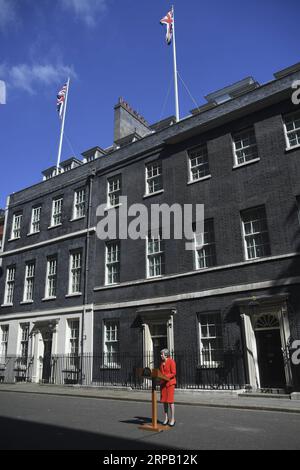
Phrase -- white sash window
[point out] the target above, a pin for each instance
(16, 226)
(10, 285)
(29, 282)
(153, 177)
(245, 147)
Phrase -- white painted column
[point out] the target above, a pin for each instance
(147, 346)
(251, 352)
(170, 333)
(285, 335)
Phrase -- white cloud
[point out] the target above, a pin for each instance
(87, 10)
(7, 13)
(2, 92)
(29, 77)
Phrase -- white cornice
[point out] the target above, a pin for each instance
(201, 294)
(44, 313)
(197, 272)
(47, 242)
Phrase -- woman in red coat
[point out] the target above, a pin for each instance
(168, 368)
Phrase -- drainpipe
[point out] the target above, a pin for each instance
(86, 270)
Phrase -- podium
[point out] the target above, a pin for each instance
(154, 375)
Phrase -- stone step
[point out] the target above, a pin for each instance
(265, 395)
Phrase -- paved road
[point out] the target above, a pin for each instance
(53, 422)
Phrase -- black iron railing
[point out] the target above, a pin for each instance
(211, 369)
(16, 368)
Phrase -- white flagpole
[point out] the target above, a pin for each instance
(175, 70)
(62, 127)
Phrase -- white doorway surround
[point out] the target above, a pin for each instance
(158, 330)
(265, 314)
(43, 331)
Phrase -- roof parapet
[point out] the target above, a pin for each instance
(202, 108)
(287, 71)
(158, 126)
(232, 91)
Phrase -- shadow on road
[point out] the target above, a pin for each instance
(18, 434)
(138, 420)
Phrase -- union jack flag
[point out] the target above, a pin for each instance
(168, 20)
(61, 96)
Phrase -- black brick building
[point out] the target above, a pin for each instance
(77, 308)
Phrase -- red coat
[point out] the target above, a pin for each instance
(168, 368)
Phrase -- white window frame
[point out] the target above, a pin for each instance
(29, 282)
(35, 219)
(294, 130)
(111, 329)
(16, 226)
(153, 173)
(255, 234)
(75, 272)
(207, 246)
(51, 277)
(73, 343)
(198, 160)
(24, 342)
(112, 263)
(154, 255)
(4, 331)
(74, 328)
(241, 137)
(206, 358)
(56, 216)
(79, 203)
(9, 285)
(114, 190)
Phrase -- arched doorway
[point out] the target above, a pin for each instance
(269, 351)
(266, 334)
(43, 332)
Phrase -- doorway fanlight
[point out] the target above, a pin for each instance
(266, 321)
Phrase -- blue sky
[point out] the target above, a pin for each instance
(114, 48)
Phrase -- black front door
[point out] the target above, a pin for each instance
(270, 359)
(158, 345)
(159, 340)
(47, 360)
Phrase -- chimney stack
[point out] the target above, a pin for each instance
(128, 122)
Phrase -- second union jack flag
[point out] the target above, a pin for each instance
(168, 20)
(61, 96)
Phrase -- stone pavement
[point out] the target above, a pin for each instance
(220, 399)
